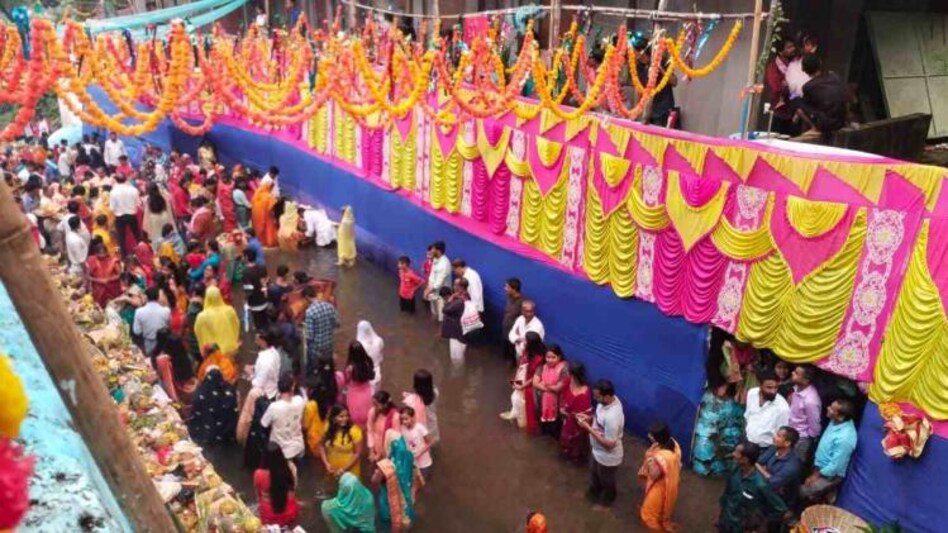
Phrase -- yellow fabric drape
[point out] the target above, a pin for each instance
(319, 130)
(345, 137)
(542, 217)
(492, 155)
(801, 322)
(866, 178)
(927, 178)
(811, 218)
(798, 170)
(614, 169)
(912, 365)
(693, 152)
(651, 218)
(745, 245)
(653, 144)
(548, 152)
(446, 179)
(620, 137)
(548, 120)
(741, 160)
(611, 246)
(693, 223)
(525, 112)
(467, 151)
(576, 126)
(518, 167)
(403, 157)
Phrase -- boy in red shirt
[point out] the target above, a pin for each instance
(408, 283)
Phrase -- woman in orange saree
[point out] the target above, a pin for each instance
(264, 221)
(660, 472)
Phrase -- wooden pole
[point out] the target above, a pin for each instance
(752, 63)
(41, 307)
(554, 24)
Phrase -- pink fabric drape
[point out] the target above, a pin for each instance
(373, 142)
(802, 254)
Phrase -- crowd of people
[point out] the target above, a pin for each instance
(803, 96)
(168, 246)
(782, 439)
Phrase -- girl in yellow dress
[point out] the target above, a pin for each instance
(342, 444)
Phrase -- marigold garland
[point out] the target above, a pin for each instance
(284, 80)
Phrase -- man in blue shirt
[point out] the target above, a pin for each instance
(782, 469)
(833, 453)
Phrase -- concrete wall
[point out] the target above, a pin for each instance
(710, 105)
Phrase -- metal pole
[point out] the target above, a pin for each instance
(752, 62)
(44, 314)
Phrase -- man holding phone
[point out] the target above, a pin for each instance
(605, 435)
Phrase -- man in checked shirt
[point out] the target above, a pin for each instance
(319, 327)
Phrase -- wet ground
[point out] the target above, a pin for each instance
(487, 474)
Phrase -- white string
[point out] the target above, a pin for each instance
(615, 11)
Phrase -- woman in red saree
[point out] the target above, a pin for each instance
(201, 228)
(576, 401)
(225, 201)
(264, 220)
(103, 271)
(660, 471)
(534, 353)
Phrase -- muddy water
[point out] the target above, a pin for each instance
(487, 474)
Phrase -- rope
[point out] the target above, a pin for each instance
(619, 12)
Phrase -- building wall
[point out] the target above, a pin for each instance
(710, 105)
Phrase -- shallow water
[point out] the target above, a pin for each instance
(487, 474)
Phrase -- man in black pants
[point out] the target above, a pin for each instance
(124, 200)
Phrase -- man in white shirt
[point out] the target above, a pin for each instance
(114, 148)
(150, 319)
(272, 175)
(475, 289)
(605, 438)
(284, 417)
(64, 162)
(439, 277)
(766, 412)
(266, 371)
(526, 322)
(77, 248)
(62, 229)
(124, 201)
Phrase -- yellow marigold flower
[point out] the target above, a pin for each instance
(13, 402)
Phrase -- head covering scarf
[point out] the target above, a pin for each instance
(353, 508)
(214, 415)
(217, 323)
(145, 254)
(370, 340)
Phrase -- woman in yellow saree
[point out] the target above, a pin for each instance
(660, 471)
(345, 240)
(289, 235)
(261, 214)
(218, 323)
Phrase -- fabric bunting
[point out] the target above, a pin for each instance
(812, 257)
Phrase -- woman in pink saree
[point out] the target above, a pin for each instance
(225, 201)
(383, 416)
(575, 401)
(549, 381)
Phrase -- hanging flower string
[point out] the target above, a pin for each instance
(284, 80)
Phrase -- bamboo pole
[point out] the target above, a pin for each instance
(752, 64)
(51, 329)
